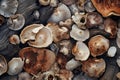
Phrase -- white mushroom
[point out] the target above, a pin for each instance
(15, 66)
(112, 51)
(29, 32)
(61, 13)
(79, 34)
(72, 64)
(80, 20)
(43, 38)
(81, 51)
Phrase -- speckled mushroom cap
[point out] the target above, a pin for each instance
(8, 7)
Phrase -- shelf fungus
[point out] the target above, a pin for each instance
(107, 7)
(98, 45)
(3, 65)
(8, 7)
(94, 67)
(81, 51)
(37, 35)
(16, 22)
(79, 34)
(37, 60)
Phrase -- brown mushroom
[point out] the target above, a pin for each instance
(2, 20)
(37, 60)
(98, 45)
(107, 7)
(94, 67)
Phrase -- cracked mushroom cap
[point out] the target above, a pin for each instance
(107, 7)
(37, 60)
(29, 32)
(8, 7)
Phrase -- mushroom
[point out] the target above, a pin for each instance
(118, 75)
(80, 20)
(37, 60)
(14, 39)
(79, 34)
(44, 2)
(16, 22)
(107, 7)
(98, 45)
(61, 13)
(2, 20)
(54, 3)
(8, 7)
(112, 51)
(58, 33)
(81, 51)
(110, 27)
(15, 66)
(68, 2)
(43, 38)
(3, 65)
(94, 67)
(29, 32)
(118, 61)
(80, 4)
(24, 76)
(93, 19)
(73, 8)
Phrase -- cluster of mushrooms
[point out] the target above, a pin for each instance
(59, 39)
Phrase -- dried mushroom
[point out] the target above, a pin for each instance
(44, 2)
(37, 60)
(14, 39)
(107, 7)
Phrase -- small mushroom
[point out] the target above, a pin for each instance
(3, 65)
(36, 14)
(15, 66)
(81, 51)
(24, 76)
(16, 22)
(94, 67)
(37, 60)
(14, 39)
(44, 2)
(98, 45)
(29, 32)
(42, 39)
(110, 27)
(61, 13)
(54, 3)
(112, 51)
(118, 61)
(107, 7)
(118, 75)
(2, 20)
(80, 4)
(80, 19)
(59, 33)
(8, 7)
(93, 19)
(73, 8)
(79, 34)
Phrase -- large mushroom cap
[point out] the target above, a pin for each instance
(107, 7)
(37, 60)
(8, 7)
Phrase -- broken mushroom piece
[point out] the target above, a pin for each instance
(3, 65)
(37, 60)
(98, 45)
(43, 38)
(44, 2)
(94, 67)
(81, 51)
(15, 66)
(61, 13)
(107, 7)
(110, 27)
(112, 51)
(2, 20)
(8, 7)
(14, 39)
(29, 32)
(79, 34)
(16, 22)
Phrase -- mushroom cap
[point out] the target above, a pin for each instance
(14, 39)
(3, 65)
(8, 7)
(81, 51)
(79, 34)
(98, 45)
(37, 60)
(61, 13)
(29, 32)
(43, 38)
(107, 7)
(44, 2)
(94, 67)
(112, 51)
(16, 22)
